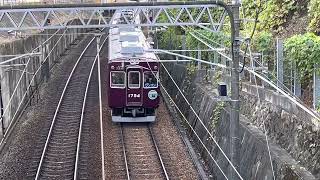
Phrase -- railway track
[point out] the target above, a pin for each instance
(141, 155)
(59, 159)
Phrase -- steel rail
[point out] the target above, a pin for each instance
(57, 109)
(83, 110)
(100, 109)
(158, 152)
(155, 146)
(124, 152)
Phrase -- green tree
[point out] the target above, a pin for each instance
(314, 16)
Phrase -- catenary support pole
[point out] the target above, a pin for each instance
(184, 44)
(280, 62)
(316, 88)
(297, 83)
(100, 107)
(1, 112)
(199, 56)
(235, 105)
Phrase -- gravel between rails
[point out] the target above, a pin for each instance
(21, 155)
(142, 157)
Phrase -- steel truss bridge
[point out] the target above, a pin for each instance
(209, 15)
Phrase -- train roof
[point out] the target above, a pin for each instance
(125, 44)
(128, 42)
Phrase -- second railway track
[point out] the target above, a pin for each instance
(58, 160)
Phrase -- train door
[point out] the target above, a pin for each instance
(134, 89)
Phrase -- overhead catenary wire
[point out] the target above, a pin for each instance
(228, 58)
(34, 74)
(68, 34)
(258, 11)
(264, 124)
(186, 57)
(201, 121)
(301, 105)
(256, 74)
(310, 112)
(27, 89)
(193, 130)
(205, 126)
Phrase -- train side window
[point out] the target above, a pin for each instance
(150, 79)
(117, 79)
(134, 79)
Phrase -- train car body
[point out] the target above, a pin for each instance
(133, 92)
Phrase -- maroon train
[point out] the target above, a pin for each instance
(133, 91)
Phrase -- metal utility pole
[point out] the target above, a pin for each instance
(100, 104)
(316, 88)
(279, 62)
(234, 149)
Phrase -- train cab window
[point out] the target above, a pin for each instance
(117, 79)
(134, 79)
(149, 80)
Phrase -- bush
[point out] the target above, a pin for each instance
(304, 50)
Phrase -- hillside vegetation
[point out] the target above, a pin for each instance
(295, 21)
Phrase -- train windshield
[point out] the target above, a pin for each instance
(150, 79)
(117, 79)
(134, 79)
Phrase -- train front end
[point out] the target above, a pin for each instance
(134, 92)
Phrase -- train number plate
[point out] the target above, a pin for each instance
(133, 95)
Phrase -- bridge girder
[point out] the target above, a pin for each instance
(207, 15)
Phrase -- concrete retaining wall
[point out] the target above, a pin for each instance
(9, 75)
(289, 126)
(254, 158)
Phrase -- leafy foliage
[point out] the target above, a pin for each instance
(263, 42)
(314, 16)
(170, 39)
(216, 115)
(304, 50)
(274, 14)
